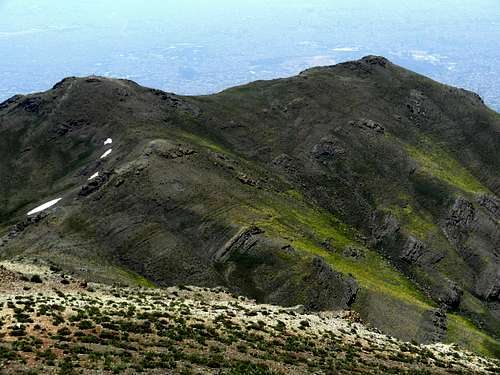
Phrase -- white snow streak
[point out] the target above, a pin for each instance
(53, 202)
(106, 153)
(44, 206)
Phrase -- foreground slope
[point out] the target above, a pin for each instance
(62, 325)
(359, 186)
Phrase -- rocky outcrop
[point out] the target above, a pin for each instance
(27, 222)
(69, 126)
(328, 147)
(167, 150)
(385, 228)
(490, 203)
(488, 283)
(459, 221)
(177, 103)
(332, 289)
(247, 180)
(7, 103)
(32, 104)
(376, 60)
(20, 227)
(447, 294)
(264, 269)
(286, 164)
(466, 227)
(433, 326)
(242, 241)
(327, 245)
(413, 250)
(368, 124)
(95, 184)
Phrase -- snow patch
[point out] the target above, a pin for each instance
(44, 206)
(106, 153)
(108, 141)
(94, 176)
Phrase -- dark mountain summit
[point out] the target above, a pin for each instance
(361, 185)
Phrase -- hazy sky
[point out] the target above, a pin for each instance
(201, 46)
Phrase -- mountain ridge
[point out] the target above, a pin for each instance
(361, 185)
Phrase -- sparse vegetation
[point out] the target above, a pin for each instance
(194, 330)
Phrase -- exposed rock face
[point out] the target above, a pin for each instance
(435, 329)
(243, 241)
(333, 289)
(69, 126)
(247, 180)
(327, 245)
(249, 255)
(491, 204)
(95, 184)
(413, 250)
(416, 251)
(376, 60)
(367, 64)
(385, 227)
(466, 226)
(488, 283)
(7, 103)
(449, 294)
(459, 221)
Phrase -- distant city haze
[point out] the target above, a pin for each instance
(201, 47)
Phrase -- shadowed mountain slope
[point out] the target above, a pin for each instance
(361, 185)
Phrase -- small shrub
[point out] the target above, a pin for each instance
(86, 324)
